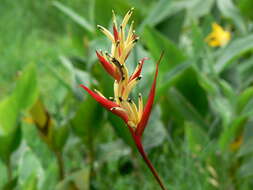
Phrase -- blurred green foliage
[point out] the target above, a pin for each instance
(53, 136)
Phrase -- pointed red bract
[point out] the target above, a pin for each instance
(148, 107)
(115, 33)
(138, 72)
(108, 66)
(107, 104)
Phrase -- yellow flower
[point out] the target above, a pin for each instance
(218, 37)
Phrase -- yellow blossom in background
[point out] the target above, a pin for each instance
(218, 37)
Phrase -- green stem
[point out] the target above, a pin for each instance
(9, 170)
(91, 158)
(60, 164)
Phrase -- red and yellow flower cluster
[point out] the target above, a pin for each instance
(114, 63)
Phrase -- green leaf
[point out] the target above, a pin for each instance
(121, 129)
(198, 43)
(229, 133)
(60, 136)
(74, 16)
(224, 109)
(227, 90)
(229, 10)
(162, 10)
(58, 77)
(112, 151)
(28, 175)
(246, 169)
(78, 180)
(188, 85)
(165, 9)
(4, 175)
(180, 105)
(11, 184)
(245, 70)
(39, 148)
(210, 87)
(88, 119)
(196, 138)
(26, 91)
(176, 22)
(169, 78)
(31, 183)
(157, 43)
(22, 98)
(244, 99)
(232, 51)
(246, 8)
(43, 121)
(104, 10)
(8, 116)
(9, 143)
(246, 148)
(155, 132)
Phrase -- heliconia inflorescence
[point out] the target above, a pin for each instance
(114, 63)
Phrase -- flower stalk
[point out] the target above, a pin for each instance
(60, 163)
(140, 148)
(135, 116)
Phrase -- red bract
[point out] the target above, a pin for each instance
(117, 110)
(147, 110)
(109, 105)
(138, 70)
(110, 69)
(115, 33)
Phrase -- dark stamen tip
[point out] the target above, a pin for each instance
(99, 27)
(111, 98)
(129, 100)
(139, 77)
(120, 99)
(131, 10)
(136, 40)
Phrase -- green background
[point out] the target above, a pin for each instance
(200, 132)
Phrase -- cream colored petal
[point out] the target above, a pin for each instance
(99, 93)
(140, 106)
(130, 33)
(126, 18)
(106, 32)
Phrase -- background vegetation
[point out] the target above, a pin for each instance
(53, 136)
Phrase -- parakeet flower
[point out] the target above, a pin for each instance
(114, 62)
(218, 36)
